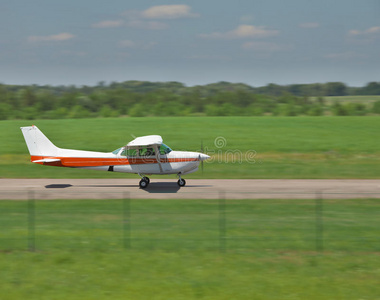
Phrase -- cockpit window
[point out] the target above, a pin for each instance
(164, 149)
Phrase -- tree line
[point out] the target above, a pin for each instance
(141, 98)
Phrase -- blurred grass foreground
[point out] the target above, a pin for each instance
(190, 249)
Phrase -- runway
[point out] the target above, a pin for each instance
(20, 189)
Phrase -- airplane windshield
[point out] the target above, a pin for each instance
(116, 151)
(164, 149)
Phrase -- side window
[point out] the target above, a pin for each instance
(131, 152)
(146, 151)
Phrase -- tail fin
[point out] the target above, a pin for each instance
(38, 144)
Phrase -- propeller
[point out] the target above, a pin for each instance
(202, 159)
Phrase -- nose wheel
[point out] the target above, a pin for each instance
(181, 182)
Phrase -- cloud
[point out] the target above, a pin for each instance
(51, 38)
(168, 12)
(344, 56)
(150, 18)
(137, 45)
(108, 24)
(366, 32)
(264, 46)
(243, 32)
(309, 25)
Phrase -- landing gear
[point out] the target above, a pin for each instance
(181, 182)
(144, 182)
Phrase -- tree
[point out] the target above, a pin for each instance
(335, 89)
(372, 88)
(356, 109)
(315, 110)
(78, 112)
(376, 107)
(5, 111)
(138, 110)
(339, 110)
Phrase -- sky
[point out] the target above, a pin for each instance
(196, 42)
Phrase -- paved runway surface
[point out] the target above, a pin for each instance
(194, 189)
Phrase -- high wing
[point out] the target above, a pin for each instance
(143, 141)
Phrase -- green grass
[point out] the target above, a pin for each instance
(174, 250)
(279, 147)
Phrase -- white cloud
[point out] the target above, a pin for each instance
(150, 18)
(344, 56)
(51, 38)
(108, 24)
(263, 46)
(243, 32)
(137, 45)
(169, 12)
(369, 31)
(309, 25)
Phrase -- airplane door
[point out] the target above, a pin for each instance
(165, 165)
(146, 161)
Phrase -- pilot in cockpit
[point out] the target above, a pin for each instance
(149, 152)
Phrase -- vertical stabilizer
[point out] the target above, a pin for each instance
(38, 144)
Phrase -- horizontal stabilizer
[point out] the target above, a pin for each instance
(46, 160)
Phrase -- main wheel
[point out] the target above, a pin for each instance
(181, 182)
(143, 183)
(146, 179)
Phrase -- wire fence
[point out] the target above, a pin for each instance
(317, 225)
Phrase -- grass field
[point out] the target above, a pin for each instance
(277, 147)
(191, 249)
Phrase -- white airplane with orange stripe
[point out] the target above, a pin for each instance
(144, 155)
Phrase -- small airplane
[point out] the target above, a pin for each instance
(144, 155)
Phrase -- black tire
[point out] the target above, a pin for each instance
(146, 179)
(181, 182)
(143, 184)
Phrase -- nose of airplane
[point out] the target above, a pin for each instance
(203, 156)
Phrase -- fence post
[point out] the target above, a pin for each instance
(31, 222)
(319, 222)
(222, 222)
(126, 220)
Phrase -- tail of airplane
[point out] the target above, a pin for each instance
(38, 144)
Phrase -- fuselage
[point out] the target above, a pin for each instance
(175, 162)
(143, 155)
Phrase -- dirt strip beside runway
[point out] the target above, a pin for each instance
(19, 189)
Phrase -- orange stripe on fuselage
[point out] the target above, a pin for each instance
(99, 161)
